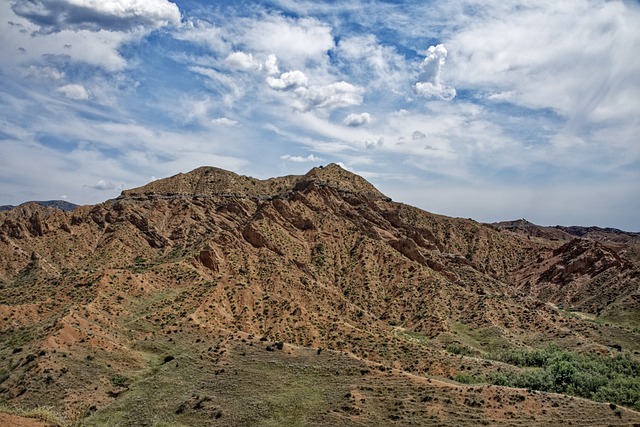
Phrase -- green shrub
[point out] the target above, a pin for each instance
(120, 381)
(604, 379)
(459, 349)
(467, 378)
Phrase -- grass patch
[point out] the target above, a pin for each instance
(43, 413)
(467, 379)
(484, 339)
(412, 336)
(293, 397)
(192, 389)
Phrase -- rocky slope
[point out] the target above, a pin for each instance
(57, 204)
(208, 272)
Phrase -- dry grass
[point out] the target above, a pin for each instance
(47, 414)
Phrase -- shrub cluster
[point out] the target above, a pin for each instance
(603, 379)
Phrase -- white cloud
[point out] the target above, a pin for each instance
(224, 121)
(103, 184)
(23, 47)
(430, 82)
(271, 64)
(227, 86)
(74, 91)
(368, 60)
(294, 41)
(243, 61)
(288, 80)
(42, 73)
(300, 159)
(340, 94)
(578, 64)
(355, 120)
(94, 15)
(205, 34)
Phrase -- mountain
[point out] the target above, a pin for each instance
(210, 298)
(57, 204)
(603, 235)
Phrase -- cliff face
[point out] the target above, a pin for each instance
(322, 260)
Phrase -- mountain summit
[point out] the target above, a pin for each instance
(211, 181)
(210, 298)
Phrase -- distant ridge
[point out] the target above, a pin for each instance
(560, 232)
(56, 204)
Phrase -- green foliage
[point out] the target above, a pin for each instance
(604, 379)
(317, 255)
(459, 349)
(120, 381)
(467, 378)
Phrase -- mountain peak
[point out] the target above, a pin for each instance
(213, 181)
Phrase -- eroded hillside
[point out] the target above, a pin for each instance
(179, 297)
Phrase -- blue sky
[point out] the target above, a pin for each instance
(491, 110)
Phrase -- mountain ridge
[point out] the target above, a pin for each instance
(201, 273)
(212, 181)
(56, 204)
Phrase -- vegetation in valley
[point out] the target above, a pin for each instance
(590, 375)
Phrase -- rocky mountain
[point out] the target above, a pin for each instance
(57, 204)
(210, 298)
(609, 236)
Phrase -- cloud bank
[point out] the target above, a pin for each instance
(94, 15)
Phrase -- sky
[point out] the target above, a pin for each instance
(492, 110)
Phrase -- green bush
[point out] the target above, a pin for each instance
(459, 349)
(120, 381)
(604, 379)
(466, 378)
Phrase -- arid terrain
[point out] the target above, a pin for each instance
(210, 298)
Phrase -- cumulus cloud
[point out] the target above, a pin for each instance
(288, 80)
(295, 41)
(300, 159)
(243, 61)
(224, 121)
(355, 120)
(103, 184)
(94, 15)
(334, 95)
(271, 64)
(74, 91)
(340, 94)
(430, 82)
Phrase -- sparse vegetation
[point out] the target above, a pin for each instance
(307, 308)
(120, 381)
(47, 414)
(459, 349)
